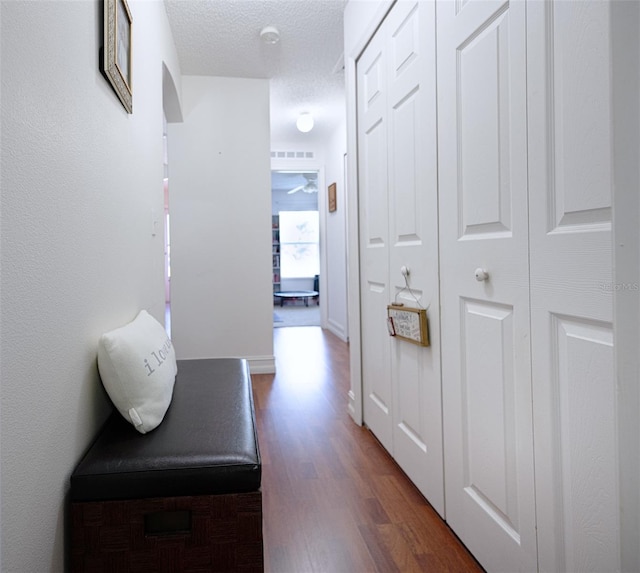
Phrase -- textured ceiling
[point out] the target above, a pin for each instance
(222, 38)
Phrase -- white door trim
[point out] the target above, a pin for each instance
(625, 22)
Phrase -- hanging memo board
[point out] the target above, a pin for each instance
(408, 323)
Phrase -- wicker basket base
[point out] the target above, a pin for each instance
(202, 533)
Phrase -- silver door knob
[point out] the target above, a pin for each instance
(481, 275)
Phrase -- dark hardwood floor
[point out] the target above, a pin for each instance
(333, 499)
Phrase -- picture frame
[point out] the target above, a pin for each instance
(408, 324)
(332, 198)
(117, 50)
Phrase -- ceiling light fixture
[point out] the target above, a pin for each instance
(270, 35)
(305, 122)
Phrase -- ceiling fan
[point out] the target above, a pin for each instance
(309, 187)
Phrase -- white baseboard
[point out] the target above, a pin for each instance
(338, 329)
(351, 408)
(262, 364)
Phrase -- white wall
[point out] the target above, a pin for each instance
(80, 178)
(335, 298)
(220, 205)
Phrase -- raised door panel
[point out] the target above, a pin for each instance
(484, 193)
(574, 385)
(407, 116)
(488, 398)
(486, 369)
(585, 459)
(374, 184)
(577, 70)
(407, 224)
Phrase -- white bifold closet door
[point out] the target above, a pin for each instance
(525, 195)
(484, 253)
(574, 389)
(397, 156)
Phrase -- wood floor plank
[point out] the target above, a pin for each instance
(334, 500)
(385, 563)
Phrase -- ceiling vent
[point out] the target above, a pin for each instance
(292, 155)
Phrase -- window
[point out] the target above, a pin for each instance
(299, 237)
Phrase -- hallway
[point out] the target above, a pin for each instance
(333, 499)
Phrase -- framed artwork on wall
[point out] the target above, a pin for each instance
(332, 198)
(116, 54)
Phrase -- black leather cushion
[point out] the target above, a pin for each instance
(206, 444)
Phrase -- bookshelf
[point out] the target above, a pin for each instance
(275, 251)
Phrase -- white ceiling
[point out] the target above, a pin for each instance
(222, 38)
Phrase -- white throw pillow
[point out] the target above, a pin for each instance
(137, 364)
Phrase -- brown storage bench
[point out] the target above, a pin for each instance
(184, 497)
